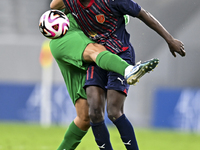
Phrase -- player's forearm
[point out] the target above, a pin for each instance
(154, 24)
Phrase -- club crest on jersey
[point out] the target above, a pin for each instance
(100, 18)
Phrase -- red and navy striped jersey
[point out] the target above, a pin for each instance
(103, 22)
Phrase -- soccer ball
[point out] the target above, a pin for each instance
(54, 24)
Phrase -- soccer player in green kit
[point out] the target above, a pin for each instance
(73, 53)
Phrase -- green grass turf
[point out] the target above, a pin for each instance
(15, 136)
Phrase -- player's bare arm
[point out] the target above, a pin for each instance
(57, 4)
(175, 45)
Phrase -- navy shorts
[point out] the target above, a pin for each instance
(109, 80)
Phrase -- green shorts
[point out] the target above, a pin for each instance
(67, 52)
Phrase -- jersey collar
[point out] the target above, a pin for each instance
(89, 5)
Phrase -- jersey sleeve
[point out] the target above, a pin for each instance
(123, 7)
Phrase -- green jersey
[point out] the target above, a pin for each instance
(68, 53)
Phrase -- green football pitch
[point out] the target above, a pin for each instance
(14, 136)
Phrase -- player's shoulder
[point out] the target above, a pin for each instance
(117, 2)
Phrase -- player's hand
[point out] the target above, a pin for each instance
(176, 46)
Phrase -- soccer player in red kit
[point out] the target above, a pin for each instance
(103, 22)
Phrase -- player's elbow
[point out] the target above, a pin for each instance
(57, 4)
(52, 6)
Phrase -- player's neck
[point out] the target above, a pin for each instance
(85, 3)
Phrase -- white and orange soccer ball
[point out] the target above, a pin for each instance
(54, 24)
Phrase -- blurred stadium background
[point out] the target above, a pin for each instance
(32, 89)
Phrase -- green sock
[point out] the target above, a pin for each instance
(72, 137)
(111, 62)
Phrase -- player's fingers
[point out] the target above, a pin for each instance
(182, 46)
(173, 53)
(183, 53)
